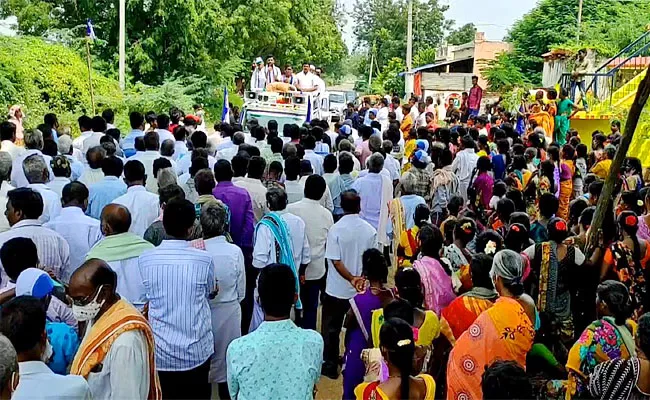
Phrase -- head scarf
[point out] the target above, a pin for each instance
(508, 265)
(13, 110)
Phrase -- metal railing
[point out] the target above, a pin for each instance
(605, 82)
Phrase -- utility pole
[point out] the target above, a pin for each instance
(408, 82)
(579, 21)
(372, 57)
(122, 44)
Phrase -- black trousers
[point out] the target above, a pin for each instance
(251, 282)
(191, 384)
(334, 310)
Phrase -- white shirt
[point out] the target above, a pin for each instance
(143, 206)
(11, 148)
(463, 165)
(51, 201)
(147, 158)
(178, 280)
(228, 270)
(320, 84)
(305, 81)
(227, 153)
(325, 201)
(382, 117)
(164, 134)
(37, 381)
(57, 185)
(185, 163)
(53, 249)
(257, 191)
(295, 191)
(78, 142)
(125, 369)
(18, 178)
(180, 149)
(318, 221)
(393, 167)
(5, 187)
(273, 74)
(80, 231)
(264, 247)
(315, 160)
(346, 242)
(258, 79)
(91, 176)
(91, 141)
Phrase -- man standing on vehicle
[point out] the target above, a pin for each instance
(273, 73)
(475, 97)
(258, 79)
(288, 76)
(305, 80)
(320, 83)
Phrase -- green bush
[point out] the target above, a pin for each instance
(46, 77)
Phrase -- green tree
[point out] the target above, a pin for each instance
(462, 35)
(382, 23)
(502, 74)
(607, 26)
(389, 80)
(170, 37)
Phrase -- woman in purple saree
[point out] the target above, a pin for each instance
(359, 318)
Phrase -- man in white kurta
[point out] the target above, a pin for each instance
(264, 248)
(464, 164)
(125, 371)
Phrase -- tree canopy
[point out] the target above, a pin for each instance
(607, 26)
(215, 38)
(461, 35)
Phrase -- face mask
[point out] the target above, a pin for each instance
(89, 311)
(47, 353)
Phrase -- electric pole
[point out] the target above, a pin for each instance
(579, 21)
(122, 44)
(408, 82)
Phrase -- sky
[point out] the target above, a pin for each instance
(492, 17)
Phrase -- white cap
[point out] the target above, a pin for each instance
(259, 60)
(34, 282)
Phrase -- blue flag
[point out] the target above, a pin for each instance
(225, 110)
(308, 119)
(90, 30)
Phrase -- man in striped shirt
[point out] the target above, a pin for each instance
(178, 281)
(24, 207)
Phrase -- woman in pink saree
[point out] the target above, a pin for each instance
(434, 273)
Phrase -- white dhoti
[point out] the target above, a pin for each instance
(226, 327)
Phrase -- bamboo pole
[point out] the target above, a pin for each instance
(606, 197)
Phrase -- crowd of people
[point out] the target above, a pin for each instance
(269, 77)
(451, 250)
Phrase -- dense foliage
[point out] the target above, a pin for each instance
(217, 39)
(47, 77)
(607, 26)
(461, 35)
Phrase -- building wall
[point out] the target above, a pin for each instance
(485, 51)
(446, 82)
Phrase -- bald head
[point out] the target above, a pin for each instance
(115, 219)
(94, 281)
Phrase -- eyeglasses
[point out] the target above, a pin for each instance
(85, 300)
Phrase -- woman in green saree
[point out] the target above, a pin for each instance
(565, 110)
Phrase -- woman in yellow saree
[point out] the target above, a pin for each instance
(503, 332)
(567, 170)
(539, 112)
(398, 350)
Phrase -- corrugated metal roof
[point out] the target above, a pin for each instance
(435, 65)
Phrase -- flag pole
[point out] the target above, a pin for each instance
(90, 80)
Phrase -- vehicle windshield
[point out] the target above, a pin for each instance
(263, 119)
(337, 98)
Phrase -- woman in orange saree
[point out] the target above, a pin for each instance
(503, 332)
(461, 313)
